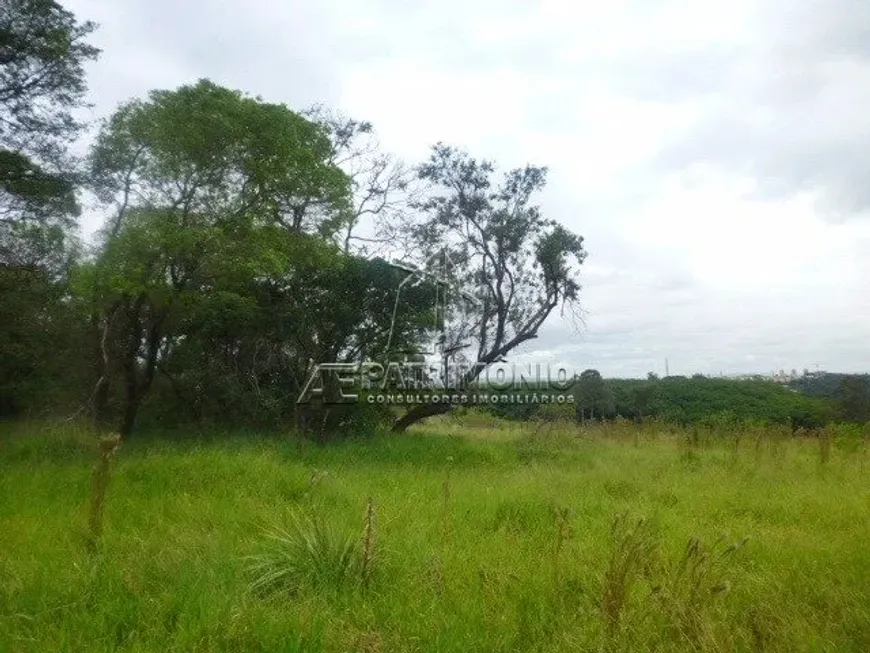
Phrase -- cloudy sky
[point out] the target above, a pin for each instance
(715, 155)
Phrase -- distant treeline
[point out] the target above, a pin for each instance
(828, 384)
(811, 402)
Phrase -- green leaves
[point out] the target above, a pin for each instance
(42, 57)
(42, 54)
(555, 251)
(35, 191)
(522, 265)
(593, 397)
(211, 150)
(217, 194)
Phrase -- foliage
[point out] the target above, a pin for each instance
(698, 400)
(853, 395)
(41, 333)
(592, 396)
(42, 57)
(34, 203)
(233, 343)
(207, 150)
(691, 401)
(218, 279)
(851, 392)
(515, 265)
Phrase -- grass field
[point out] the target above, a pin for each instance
(478, 537)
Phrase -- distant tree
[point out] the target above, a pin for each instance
(694, 401)
(853, 395)
(607, 404)
(641, 398)
(824, 384)
(593, 396)
(652, 376)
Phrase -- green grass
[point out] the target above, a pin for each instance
(486, 537)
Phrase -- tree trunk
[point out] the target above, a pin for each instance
(129, 364)
(129, 419)
(101, 402)
(132, 400)
(137, 389)
(421, 411)
(100, 398)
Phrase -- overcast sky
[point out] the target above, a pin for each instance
(715, 155)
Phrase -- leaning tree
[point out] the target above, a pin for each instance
(520, 266)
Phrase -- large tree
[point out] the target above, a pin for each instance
(184, 297)
(190, 171)
(43, 51)
(222, 271)
(520, 265)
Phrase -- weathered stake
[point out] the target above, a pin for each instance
(108, 447)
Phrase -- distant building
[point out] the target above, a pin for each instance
(781, 377)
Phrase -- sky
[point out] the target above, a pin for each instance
(714, 155)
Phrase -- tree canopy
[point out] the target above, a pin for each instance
(519, 265)
(43, 52)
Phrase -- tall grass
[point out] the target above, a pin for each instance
(480, 537)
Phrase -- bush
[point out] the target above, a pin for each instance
(324, 422)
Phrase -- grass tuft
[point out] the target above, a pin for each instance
(632, 550)
(306, 553)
